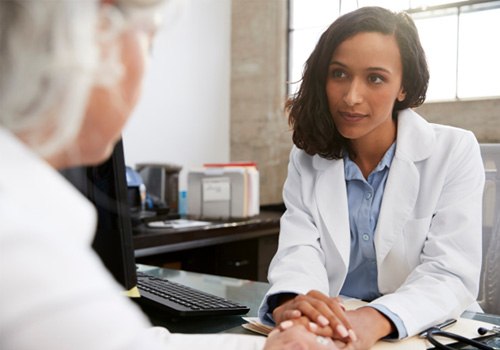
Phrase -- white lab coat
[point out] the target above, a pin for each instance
(54, 291)
(428, 236)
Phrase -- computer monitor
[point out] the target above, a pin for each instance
(105, 186)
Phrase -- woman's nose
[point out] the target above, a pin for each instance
(354, 93)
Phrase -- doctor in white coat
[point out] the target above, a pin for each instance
(70, 74)
(380, 204)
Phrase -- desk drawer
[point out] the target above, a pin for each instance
(237, 259)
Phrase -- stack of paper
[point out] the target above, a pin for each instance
(229, 190)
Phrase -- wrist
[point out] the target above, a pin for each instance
(384, 325)
(371, 323)
(275, 304)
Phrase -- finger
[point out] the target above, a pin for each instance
(285, 311)
(273, 333)
(310, 326)
(312, 308)
(301, 305)
(302, 321)
(291, 313)
(313, 327)
(342, 306)
(315, 305)
(285, 325)
(320, 312)
(338, 307)
(342, 314)
(278, 313)
(334, 311)
(325, 332)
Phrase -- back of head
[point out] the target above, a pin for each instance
(51, 58)
(46, 64)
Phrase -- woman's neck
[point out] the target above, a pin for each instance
(369, 151)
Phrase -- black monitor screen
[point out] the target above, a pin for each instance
(105, 186)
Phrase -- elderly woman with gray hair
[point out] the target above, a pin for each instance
(70, 75)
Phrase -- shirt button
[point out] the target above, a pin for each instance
(368, 195)
(365, 237)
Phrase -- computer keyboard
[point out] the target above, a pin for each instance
(181, 300)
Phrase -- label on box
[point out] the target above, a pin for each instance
(216, 189)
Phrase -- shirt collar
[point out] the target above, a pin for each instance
(351, 169)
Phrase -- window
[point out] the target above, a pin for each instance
(460, 39)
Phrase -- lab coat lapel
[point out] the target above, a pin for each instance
(399, 199)
(415, 142)
(331, 197)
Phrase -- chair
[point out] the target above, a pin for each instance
(489, 291)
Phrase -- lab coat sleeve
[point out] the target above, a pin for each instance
(56, 294)
(446, 280)
(94, 316)
(298, 265)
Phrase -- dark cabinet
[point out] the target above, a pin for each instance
(245, 259)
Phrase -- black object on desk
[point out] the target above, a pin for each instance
(180, 300)
(242, 291)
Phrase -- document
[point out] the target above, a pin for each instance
(177, 223)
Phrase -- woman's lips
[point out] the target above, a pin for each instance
(352, 117)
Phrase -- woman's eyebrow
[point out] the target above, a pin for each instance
(379, 69)
(338, 63)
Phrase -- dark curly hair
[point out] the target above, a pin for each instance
(309, 115)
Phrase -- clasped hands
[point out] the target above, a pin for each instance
(328, 322)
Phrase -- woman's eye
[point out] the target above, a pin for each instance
(376, 79)
(338, 74)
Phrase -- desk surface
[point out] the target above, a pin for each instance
(246, 292)
(151, 241)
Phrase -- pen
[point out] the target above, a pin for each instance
(439, 326)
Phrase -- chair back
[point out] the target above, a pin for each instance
(489, 291)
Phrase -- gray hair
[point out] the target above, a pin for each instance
(50, 60)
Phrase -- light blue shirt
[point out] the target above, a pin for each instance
(364, 198)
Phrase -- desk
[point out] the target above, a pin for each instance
(239, 248)
(246, 292)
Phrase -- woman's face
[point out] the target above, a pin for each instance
(364, 80)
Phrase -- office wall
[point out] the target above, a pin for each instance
(183, 117)
(259, 128)
(215, 89)
(482, 117)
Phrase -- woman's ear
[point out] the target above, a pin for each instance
(402, 95)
